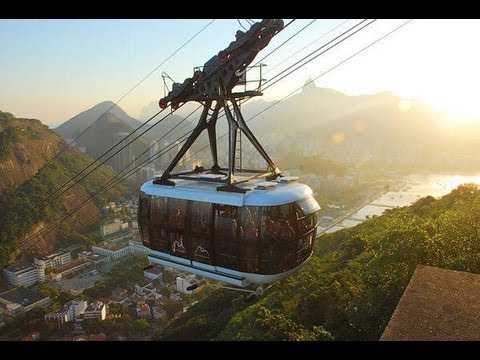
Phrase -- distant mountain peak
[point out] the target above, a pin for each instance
(311, 88)
(309, 85)
(86, 118)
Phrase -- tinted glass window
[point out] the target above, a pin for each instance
(201, 215)
(226, 228)
(159, 210)
(176, 214)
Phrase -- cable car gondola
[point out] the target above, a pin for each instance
(259, 236)
(234, 225)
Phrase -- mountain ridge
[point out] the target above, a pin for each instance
(35, 161)
(78, 123)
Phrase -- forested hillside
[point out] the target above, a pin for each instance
(351, 285)
(30, 176)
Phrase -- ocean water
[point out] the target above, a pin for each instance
(416, 186)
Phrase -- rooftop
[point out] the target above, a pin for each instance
(51, 256)
(95, 306)
(111, 222)
(95, 257)
(73, 247)
(21, 268)
(258, 192)
(69, 266)
(23, 296)
(154, 269)
(438, 304)
(112, 246)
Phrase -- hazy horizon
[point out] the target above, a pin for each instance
(56, 69)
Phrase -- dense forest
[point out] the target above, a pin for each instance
(351, 285)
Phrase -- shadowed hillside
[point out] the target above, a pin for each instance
(29, 176)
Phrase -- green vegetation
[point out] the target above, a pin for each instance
(7, 137)
(127, 272)
(351, 285)
(205, 319)
(34, 319)
(18, 204)
(57, 297)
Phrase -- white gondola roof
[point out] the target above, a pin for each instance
(259, 192)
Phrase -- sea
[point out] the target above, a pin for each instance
(413, 187)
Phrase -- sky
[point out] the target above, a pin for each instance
(53, 69)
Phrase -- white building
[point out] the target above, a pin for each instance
(96, 310)
(67, 313)
(54, 261)
(137, 247)
(112, 250)
(58, 273)
(20, 300)
(183, 283)
(24, 275)
(112, 227)
(95, 259)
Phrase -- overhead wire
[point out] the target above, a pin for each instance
(276, 103)
(303, 64)
(244, 28)
(111, 107)
(133, 88)
(304, 58)
(105, 187)
(323, 46)
(310, 43)
(286, 41)
(43, 206)
(48, 198)
(319, 76)
(75, 181)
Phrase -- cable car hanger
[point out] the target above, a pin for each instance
(212, 87)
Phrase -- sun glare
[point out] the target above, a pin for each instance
(337, 137)
(404, 105)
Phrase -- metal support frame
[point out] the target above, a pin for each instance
(215, 82)
(236, 124)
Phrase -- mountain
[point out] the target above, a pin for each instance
(351, 285)
(324, 110)
(100, 137)
(101, 134)
(74, 126)
(30, 171)
(376, 129)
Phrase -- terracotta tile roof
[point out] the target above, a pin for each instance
(438, 304)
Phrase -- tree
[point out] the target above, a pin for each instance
(166, 291)
(173, 308)
(116, 309)
(50, 291)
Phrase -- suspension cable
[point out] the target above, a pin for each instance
(111, 107)
(276, 103)
(131, 89)
(310, 43)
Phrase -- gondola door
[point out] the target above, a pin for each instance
(200, 234)
(178, 226)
